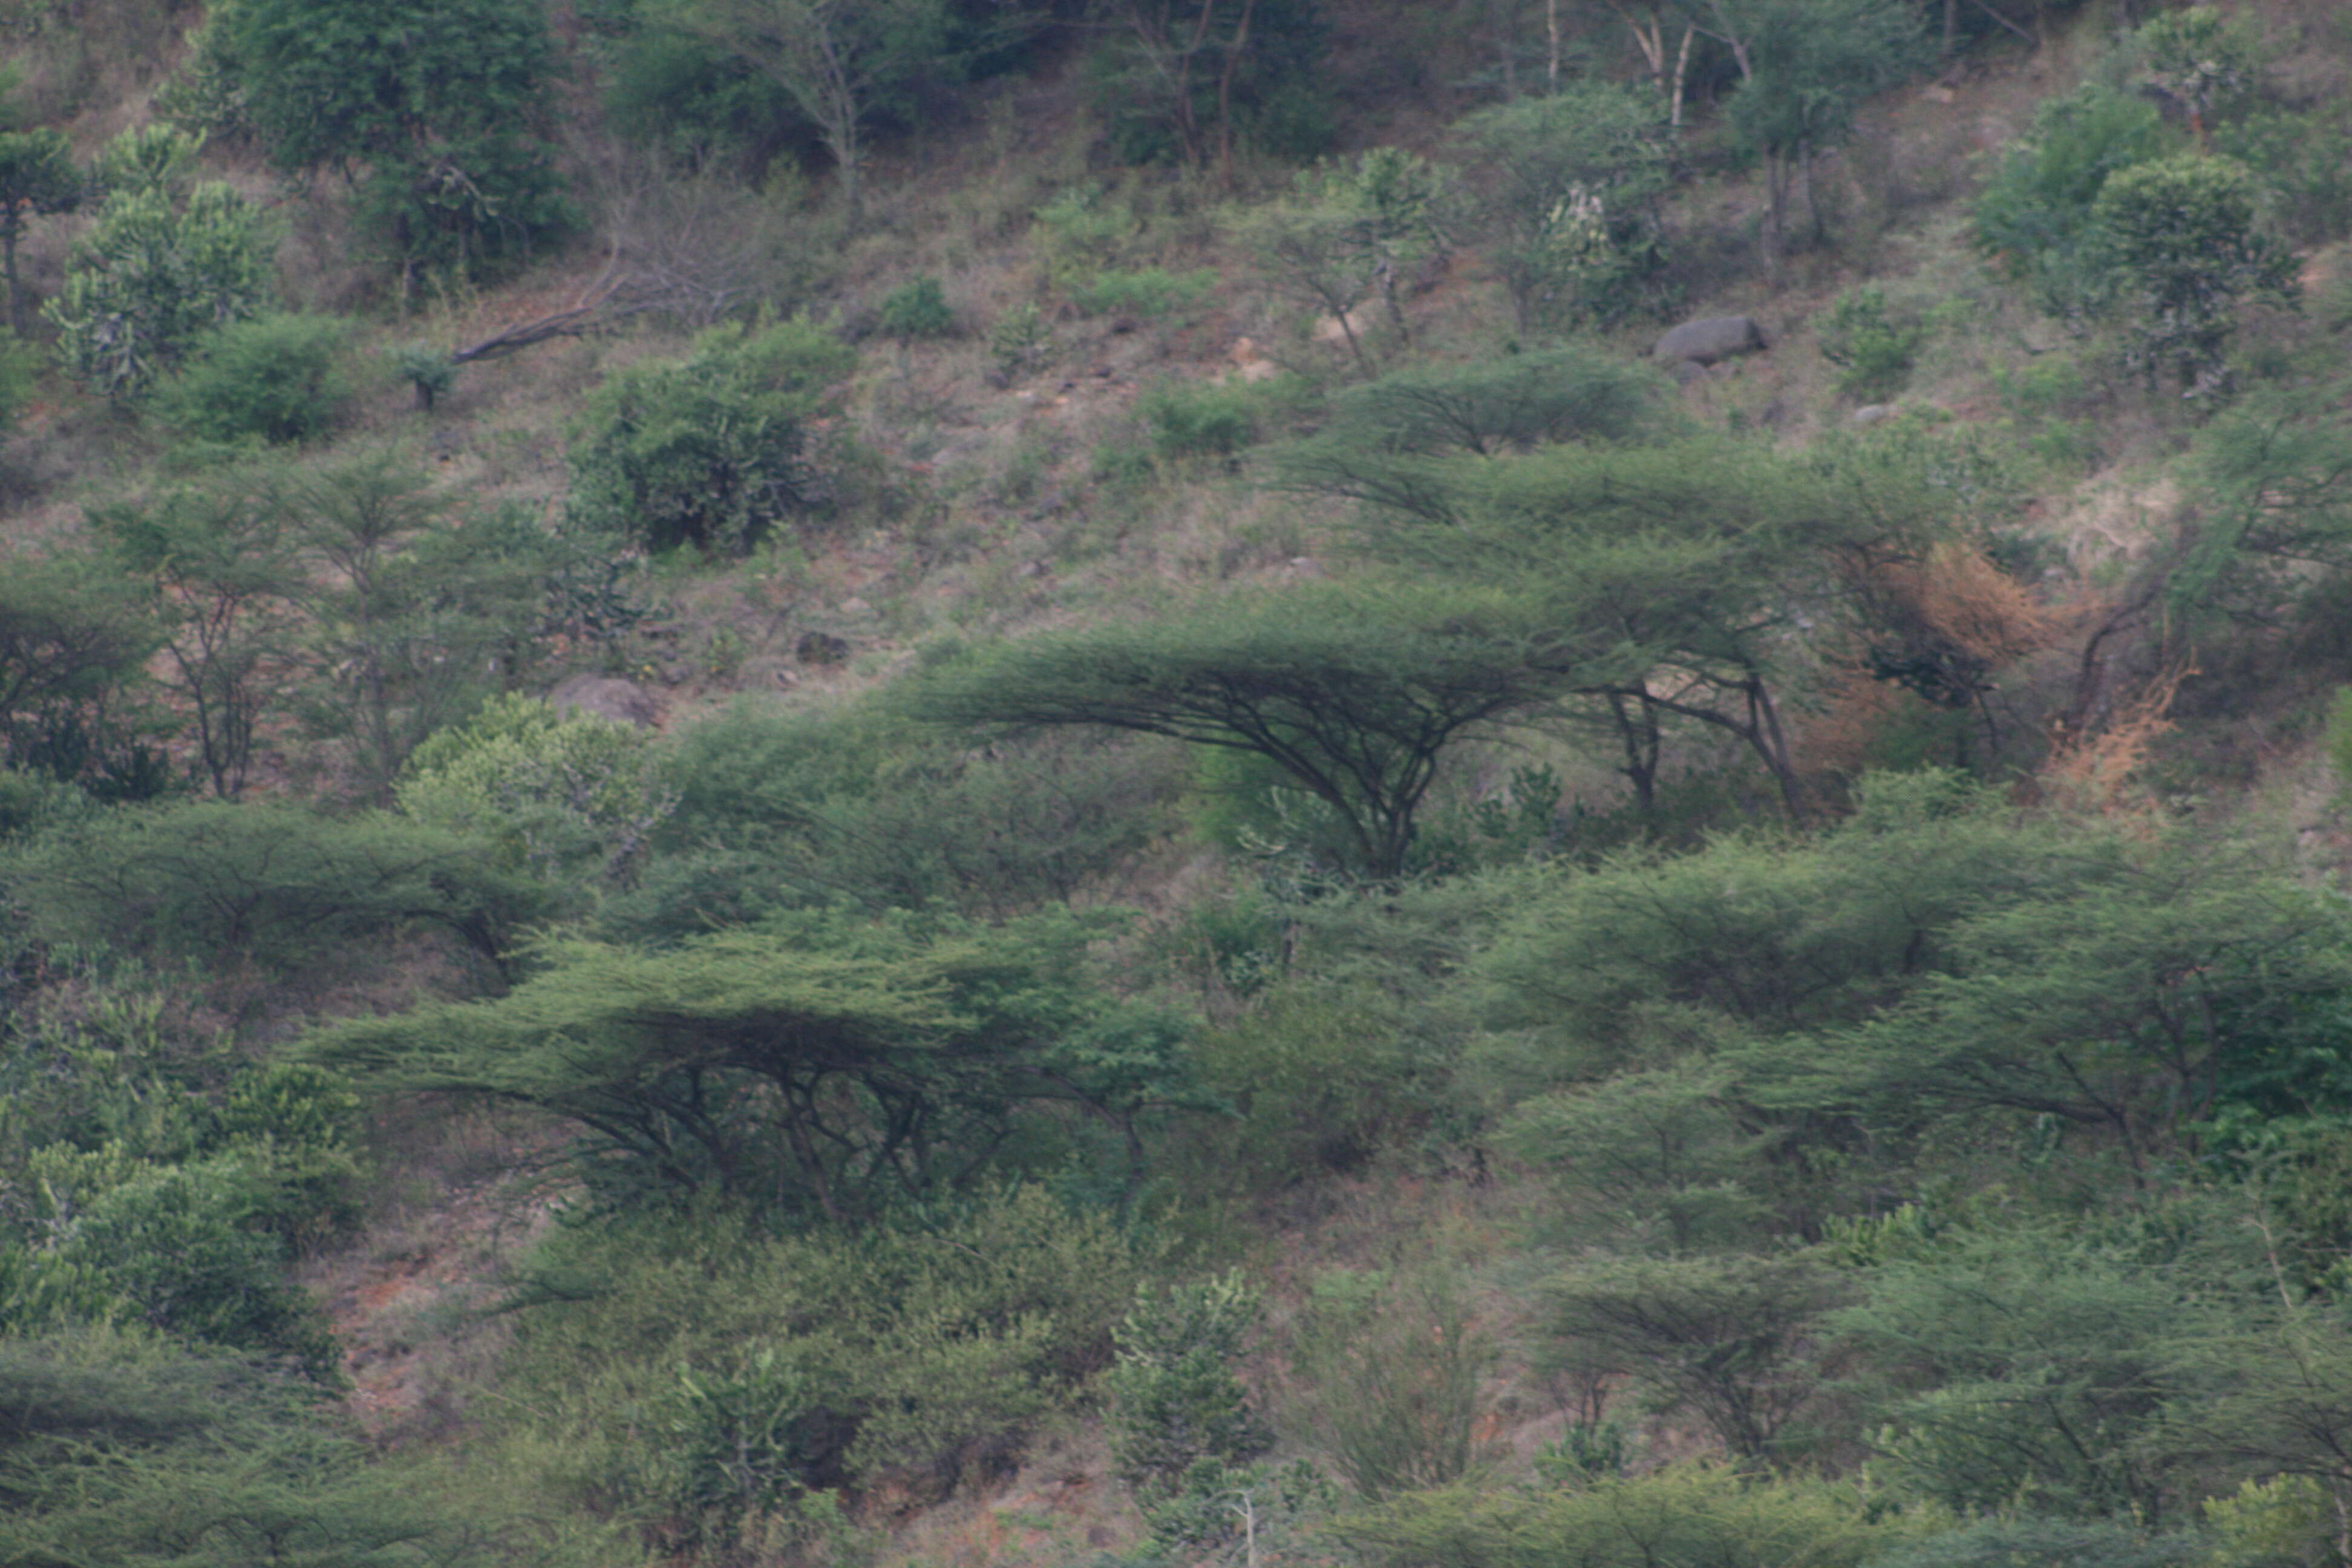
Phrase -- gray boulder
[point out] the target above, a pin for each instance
(608, 697)
(1716, 338)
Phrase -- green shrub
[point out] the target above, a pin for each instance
(2033, 216)
(1149, 294)
(916, 310)
(711, 451)
(786, 1367)
(1695, 1515)
(2304, 161)
(166, 1244)
(1391, 1372)
(275, 379)
(556, 792)
(1021, 340)
(152, 279)
(1079, 234)
(1175, 1400)
(1874, 349)
(1198, 420)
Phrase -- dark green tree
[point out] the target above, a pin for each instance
(2181, 235)
(152, 279)
(75, 638)
(712, 451)
(836, 59)
(37, 179)
(272, 883)
(434, 101)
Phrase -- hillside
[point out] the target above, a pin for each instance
(1151, 784)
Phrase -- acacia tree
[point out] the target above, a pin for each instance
(223, 572)
(415, 613)
(830, 1061)
(1355, 696)
(835, 59)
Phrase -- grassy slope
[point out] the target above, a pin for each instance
(1019, 532)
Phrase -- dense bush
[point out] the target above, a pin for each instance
(276, 379)
(916, 310)
(436, 103)
(711, 451)
(787, 1367)
(154, 276)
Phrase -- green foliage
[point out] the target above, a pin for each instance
(429, 369)
(561, 795)
(1021, 340)
(1149, 293)
(162, 1246)
(1807, 66)
(1175, 1400)
(275, 379)
(1080, 234)
(152, 279)
(710, 451)
(1702, 1515)
(835, 1064)
(2197, 57)
(414, 611)
(1730, 1340)
(272, 883)
(2018, 1371)
(73, 639)
(1348, 230)
(1567, 189)
(221, 566)
(916, 310)
(2183, 236)
(1393, 1371)
(2304, 161)
(1199, 421)
(1874, 349)
(2035, 214)
(1180, 84)
(782, 809)
(1385, 443)
(781, 1368)
(434, 100)
(1354, 694)
(666, 89)
(841, 63)
(37, 179)
(1658, 1159)
(122, 1447)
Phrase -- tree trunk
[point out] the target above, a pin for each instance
(1682, 75)
(10, 221)
(1234, 55)
(1552, 60)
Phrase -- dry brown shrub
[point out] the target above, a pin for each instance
(1955, 598)
(2098, 769)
